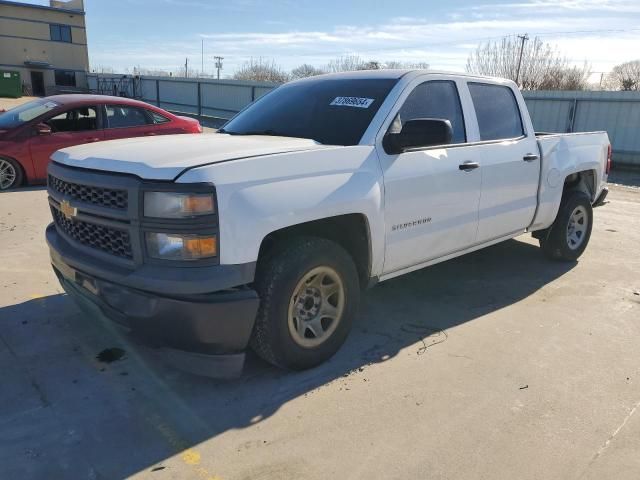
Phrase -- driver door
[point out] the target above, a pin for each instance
(71, 127)
(431, 197)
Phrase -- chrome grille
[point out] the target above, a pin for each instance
(104, 197)
(106, 239)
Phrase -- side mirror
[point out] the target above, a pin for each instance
(42, 129)
(419, 133)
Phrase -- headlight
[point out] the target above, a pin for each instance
(178, 205)
(176, 246)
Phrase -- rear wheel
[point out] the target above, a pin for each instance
(10, 173)
(569, 235)
(309, 294)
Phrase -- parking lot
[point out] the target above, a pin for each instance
(497, 365)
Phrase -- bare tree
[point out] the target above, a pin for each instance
(568, 78)
(345, 63)
(542, 66)
(625, 76)
(261, 70)
(306, 70)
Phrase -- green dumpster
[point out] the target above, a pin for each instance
(10, 84)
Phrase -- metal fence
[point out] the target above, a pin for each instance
(201, 97)
(618, 113)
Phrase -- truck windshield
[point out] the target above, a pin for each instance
(25, 113)
(331, 112)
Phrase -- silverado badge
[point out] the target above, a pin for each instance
(68, 210)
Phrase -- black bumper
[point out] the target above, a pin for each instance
(214, 326)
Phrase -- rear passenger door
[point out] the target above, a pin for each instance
(510, 164)
(431, 202)
(125, 121)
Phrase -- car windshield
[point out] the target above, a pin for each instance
(25, 113)
(329, 111)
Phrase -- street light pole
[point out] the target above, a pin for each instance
(524, 38)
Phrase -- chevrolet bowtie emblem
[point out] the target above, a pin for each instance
(68, 210)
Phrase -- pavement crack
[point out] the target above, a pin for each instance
(606, 444)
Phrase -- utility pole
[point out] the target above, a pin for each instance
(218, 64)
(186, 68)
(524, 38)
(202, 59)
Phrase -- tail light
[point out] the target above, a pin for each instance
(607, 167)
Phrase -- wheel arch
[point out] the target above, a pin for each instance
(583, 180)
(351, 231)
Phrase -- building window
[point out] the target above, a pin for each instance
(65, 78)
(60, 33)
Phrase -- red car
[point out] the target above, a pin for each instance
(31, 132)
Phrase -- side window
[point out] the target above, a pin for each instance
(497, 111)
(75, 120)
(157, 118)
(121, 116)
(434, 99)
(60, 33)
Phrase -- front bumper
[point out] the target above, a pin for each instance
(205, 333)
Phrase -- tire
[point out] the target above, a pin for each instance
(568, 236)
(11, 175)
(292, 284)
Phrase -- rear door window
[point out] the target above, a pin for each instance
(122, 116)
(433, 99)
(497, 111)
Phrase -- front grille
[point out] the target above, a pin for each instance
(104, 197)
(109, 240)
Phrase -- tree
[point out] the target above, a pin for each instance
(567, 78)
(345, 63)
(305, 70)
(625, 76)
(261, 70)
(542, 66)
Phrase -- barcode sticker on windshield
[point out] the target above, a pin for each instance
(356, 102)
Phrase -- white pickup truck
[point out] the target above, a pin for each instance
(265, 233)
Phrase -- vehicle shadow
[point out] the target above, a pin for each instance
(32, 188)
(151, 412)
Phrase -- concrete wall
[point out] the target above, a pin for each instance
(26, 44)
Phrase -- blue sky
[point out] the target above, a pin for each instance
(161, 33)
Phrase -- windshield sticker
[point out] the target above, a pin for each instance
(356, 102)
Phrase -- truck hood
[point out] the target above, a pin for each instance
(165, 157)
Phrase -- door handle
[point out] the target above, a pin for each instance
(149, 134)
(467, 166)
(92, 139)
(530, 157)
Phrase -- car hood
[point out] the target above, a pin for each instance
(166, 157)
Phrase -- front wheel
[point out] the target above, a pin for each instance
(309, 293)
(569, 235)
(10, 173)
